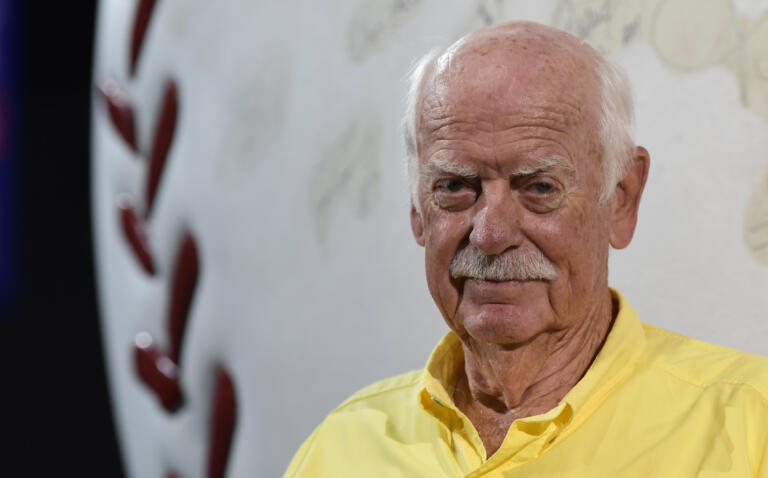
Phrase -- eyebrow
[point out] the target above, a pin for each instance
(436, 167)
(546, 164)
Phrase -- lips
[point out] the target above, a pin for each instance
(494, 283)
(500, 292)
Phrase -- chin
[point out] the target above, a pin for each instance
(504, 324)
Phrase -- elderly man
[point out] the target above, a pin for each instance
(524, 172)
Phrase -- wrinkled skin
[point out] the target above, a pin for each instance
(495, 110)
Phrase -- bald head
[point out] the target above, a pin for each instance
(515, 68)
(503, 57)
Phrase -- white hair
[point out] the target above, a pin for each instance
(413, 98)
(616, 122)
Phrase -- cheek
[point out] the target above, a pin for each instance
(578, 251)
(444, 232)
(444, 235)
(574, 242)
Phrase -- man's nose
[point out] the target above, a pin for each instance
(496, 227)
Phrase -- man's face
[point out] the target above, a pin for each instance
(509, 165)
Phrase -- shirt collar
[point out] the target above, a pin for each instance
(615, 361)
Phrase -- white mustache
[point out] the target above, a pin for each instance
(472, 263)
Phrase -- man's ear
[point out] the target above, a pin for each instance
(625, 202)
(417, 225)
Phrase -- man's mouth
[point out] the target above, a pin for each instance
(497, 281)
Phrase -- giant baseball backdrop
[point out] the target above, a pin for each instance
(254, 260)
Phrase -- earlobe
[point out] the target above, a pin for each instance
(626, 199)
(417, 226)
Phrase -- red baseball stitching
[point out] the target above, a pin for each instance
(156, 368)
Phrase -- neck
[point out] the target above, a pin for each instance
(503, 383)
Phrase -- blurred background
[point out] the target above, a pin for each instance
(54, 381)
(204, 239)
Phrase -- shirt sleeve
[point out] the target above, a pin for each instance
(758, 432)
(762, 470)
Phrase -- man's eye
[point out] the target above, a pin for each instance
(454, 194)
(450, 185)
(542, 196)
(541, 187)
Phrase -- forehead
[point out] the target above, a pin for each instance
(491, 83)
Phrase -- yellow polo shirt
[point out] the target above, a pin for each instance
(652, 404)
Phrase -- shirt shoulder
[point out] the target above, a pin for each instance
(384, 391)
(703, 364)
(365, 432)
